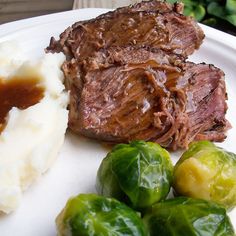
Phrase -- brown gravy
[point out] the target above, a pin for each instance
(18, 92)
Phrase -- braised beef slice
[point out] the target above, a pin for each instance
(129, 93)
(156, 24)
(128, 78)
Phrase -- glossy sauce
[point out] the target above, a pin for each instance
(18, 92)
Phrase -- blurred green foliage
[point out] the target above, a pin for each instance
(220, 14)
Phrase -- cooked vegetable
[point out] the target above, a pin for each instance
(188, 217)
(208, 172)
(139, 173)
(218, 13)
(90, 214)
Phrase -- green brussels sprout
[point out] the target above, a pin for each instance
(208, 172)
(139, 173)
(90, 214)
(188, 217)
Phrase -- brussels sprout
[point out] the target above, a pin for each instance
(188, 217)
(139, 173)
(90, 214)
(208, 172)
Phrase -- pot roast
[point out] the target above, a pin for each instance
(154, 23)
(128, 78)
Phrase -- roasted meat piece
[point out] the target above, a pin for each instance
(128, 78)
(132, 93)
(156, 24)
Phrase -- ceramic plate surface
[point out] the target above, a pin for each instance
(75, 169)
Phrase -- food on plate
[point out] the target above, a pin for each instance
(208, 172)
(129, 80)
(190, 217)
(139, 173)
(129, 94)
(154, 24)
(90, 214)
(33, 119)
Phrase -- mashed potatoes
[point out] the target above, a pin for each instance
(32, 137)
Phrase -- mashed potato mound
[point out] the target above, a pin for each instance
(32, 137)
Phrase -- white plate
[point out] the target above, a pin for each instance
(75, 170)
